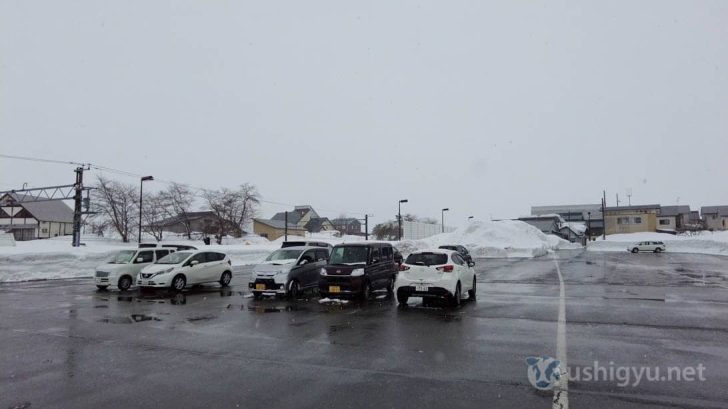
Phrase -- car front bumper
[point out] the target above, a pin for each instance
(341, 285)
(266, 286)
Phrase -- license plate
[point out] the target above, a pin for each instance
(421, 288)
(260, 286)
(334, 289)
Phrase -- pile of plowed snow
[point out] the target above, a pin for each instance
(494, 239)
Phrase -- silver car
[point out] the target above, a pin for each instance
(289, 271)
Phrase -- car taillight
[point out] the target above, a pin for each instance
(447, 269)
(403, 267)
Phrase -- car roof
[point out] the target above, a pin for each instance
(441, 251)
(363, 244)
(302, 248)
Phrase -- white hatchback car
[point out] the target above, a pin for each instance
(654, 246)
(185, 268)
(435, 274)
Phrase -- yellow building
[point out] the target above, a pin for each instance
(273, 229)
(631, 219)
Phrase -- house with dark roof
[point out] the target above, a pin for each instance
(29, 219)
(319, 224)
(201, 222)
(715, 217)
(348, 225)
(273, 229)
(673, 218)
(305, 217)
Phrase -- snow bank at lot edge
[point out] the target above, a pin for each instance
(715, 243)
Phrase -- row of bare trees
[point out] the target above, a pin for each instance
(116, 207)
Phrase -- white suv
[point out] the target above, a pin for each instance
(655, 246)
(123, 267)
(435, 274)
(187, 267)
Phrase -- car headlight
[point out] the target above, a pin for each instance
(357, 272)
(322, 272)
(167, 271)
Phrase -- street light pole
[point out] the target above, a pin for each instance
(141, 198)
(443, 218)
(399, 218)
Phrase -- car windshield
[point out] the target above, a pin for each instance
(448, 247)
(122, 257)
(349, 255)
(280, 255)
(175, 258)
(293, 244)
(427, 259)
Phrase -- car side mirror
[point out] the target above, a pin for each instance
(139, 260)
(471, 264)
(194, 263)
(303, 262)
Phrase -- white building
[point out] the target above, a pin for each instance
(28, 220)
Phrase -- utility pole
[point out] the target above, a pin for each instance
(604, 215)
(141, 209)
(399, 218)
(617, 199)
(443, 218)
(285, 227)
(366, 227)
(629, 197)
(77, 206)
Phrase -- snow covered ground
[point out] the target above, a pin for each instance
(494, 239)
(55, 258)
(702, 243)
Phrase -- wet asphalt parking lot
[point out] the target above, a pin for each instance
(66, 345)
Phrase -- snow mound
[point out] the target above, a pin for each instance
(700, 243)
(494, 239)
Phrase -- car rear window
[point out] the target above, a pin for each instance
(427, 259)
(293, 244)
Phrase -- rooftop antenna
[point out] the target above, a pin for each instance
(629, 196)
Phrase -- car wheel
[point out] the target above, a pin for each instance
(635, 250)
(294, 290)
(658, 250)
(402, 298)
(455, 300)
(366, 291)
(179, 282)
(471, 292)
(225, 278)
(124, 283)
(102, 287)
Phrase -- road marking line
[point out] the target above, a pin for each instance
(561, 393)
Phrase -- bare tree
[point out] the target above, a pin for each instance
(156, 208)
(233, 209)
(117, 204)
(179, 200)
(386, 231)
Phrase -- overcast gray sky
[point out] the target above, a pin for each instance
(483, 107)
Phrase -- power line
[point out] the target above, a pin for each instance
(135, 175)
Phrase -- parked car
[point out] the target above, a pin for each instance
(306, 243)
(654, 246)
(464, 253)
(178, 247)
(183, 268)
(289, 271)
(123, 267)
(437, 273)
(357, 269)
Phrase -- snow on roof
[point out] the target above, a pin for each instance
(45, 210)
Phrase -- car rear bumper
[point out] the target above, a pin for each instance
(432, 292)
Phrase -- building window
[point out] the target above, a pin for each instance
(44, 231)
(622, 220)
(664, 222)
(637, 220)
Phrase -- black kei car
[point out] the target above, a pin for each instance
(463, 252)
(357, 269)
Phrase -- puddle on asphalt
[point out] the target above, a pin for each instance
(260, 309)
(201, 318)
(129, 319)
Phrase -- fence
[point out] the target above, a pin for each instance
(417, 230)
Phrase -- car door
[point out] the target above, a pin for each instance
(308, 270)
(464, 271)
(376, 271)
(142, 259)
(320, 261)
(214, 268)
(196, 273)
